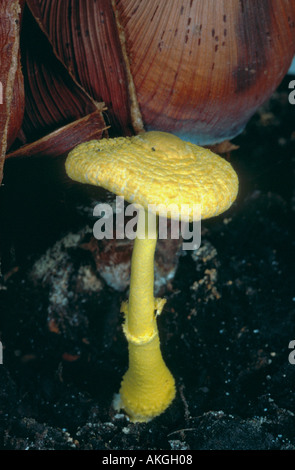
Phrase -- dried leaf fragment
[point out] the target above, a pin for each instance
(12, 106)
(85, 37)
(64, 139)
(53, 98)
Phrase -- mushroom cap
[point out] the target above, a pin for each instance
(154, 169)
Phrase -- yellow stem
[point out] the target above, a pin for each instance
(141, 307)
(148, 387)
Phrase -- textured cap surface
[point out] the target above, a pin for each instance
(157, 168)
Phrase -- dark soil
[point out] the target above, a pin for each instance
(225, 330)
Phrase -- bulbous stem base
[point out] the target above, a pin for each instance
(148, 387)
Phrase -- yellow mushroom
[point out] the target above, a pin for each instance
(152, 169)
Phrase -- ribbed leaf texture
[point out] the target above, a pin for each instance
(12, 93)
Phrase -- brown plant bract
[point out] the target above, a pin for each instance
(12, 106)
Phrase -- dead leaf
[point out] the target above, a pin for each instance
(64, 139)
(85, 37)
(52, 98)
(12, 102)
